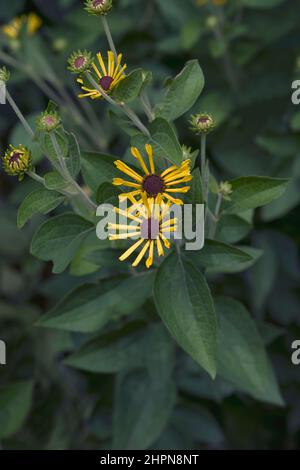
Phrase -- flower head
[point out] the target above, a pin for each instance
(80, 61)
(4, 74)
(108, 76)
(152, 183)
(225, 189)
(17, 161)
(32, 22)
(48, 121)
(98, 7)
(202, 123)
(150, 223)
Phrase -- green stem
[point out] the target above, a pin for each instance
(19, 114)
(215, 220)
(109, 37)
(146, 105)
(203, 165)
(128, 111)
(36, 177)
(66, 174)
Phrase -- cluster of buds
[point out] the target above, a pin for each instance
(202, 123)
(48, 121)
(4, 74)
(98, 7)
(80, 61)
(225, 189)
(17, 161)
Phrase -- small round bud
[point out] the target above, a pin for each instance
(80, 61)
(4, 74)
(202, 123)
(48, 121)
(186, 152)
(59, 44)
(212, 21)
(98, 7)
(17, 161)
(225, 189)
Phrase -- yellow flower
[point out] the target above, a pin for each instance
(151, 223)
(108, 77)
(152, 183)
(32, 21)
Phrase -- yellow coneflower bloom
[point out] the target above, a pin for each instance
(108, 77)
(151, 223)
(32, 21)
(153, 183)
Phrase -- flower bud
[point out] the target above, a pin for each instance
(48, 121)
(212, 21)
(80, 61)
(17, 161)
(225, 189)
(98, 7)
(4, 74)
(202, 123)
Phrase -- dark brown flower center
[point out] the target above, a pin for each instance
(203, 120)
(150, 229)
(79, 62)
(153, 185)
(97, 3)
(15, 157)
(106, 82)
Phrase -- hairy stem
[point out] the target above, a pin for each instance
(19, 114)
(66, 174)
(128, 111)
(109, 36)
(203, 165)
(36, 177)
(215, 219)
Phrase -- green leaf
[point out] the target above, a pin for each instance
(107, 193)
(97, 168)
(198, 423)
(218, 257)
(165, 142)
(54, 181)
(195, 196)
(184, 302)
(73, 161)
(130, 87)
(89, 307)
(129, 347)
(49, 149)
(242, 359)
(250, 192)
(142, 410)
(182, 93)
(232, 228)
(39, 201)
(59, 238)
(15, 402)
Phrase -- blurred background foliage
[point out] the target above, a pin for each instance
(250, 54)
